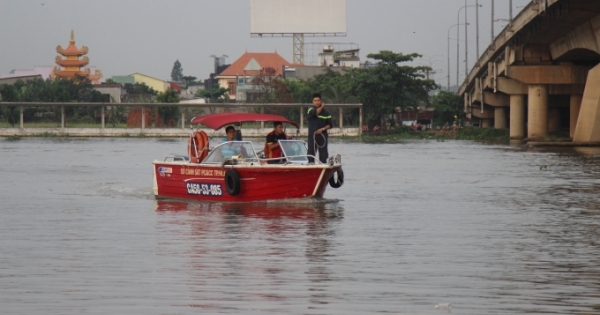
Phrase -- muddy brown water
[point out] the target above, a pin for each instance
(487, 228)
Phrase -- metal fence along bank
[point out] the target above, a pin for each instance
(138, 119)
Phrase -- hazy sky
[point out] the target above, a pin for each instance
(147, 36)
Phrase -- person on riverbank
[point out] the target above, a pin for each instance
(319, 121)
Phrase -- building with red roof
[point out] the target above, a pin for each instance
(250, 65)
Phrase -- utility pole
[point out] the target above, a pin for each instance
(448, 55)
(466, 44)
(477, 28)
(458, 41)
(492, 22)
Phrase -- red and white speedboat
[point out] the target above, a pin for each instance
(235, 172)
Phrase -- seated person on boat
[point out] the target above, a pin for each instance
(242, 150)
(230, 134)
(272, 148)
(230, 150)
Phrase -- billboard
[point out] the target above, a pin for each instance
(322, 17)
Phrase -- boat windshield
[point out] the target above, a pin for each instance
(294, 150)
(231, 150)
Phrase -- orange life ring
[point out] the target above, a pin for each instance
(198, 146)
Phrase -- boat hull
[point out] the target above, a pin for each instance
(182, 180)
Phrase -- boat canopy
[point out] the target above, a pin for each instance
(218, 121)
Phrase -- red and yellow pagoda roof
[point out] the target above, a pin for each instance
(72, 50)
(72, 62)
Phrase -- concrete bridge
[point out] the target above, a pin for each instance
(541, 74)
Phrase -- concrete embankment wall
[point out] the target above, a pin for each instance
(156, 132)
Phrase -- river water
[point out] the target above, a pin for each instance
(486, 228)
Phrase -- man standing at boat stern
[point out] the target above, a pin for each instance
(319, 121)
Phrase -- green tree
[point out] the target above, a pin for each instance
(78, 89)
(168, 96)
(139, 88)
(341, 92)
(177, 72)
(446, 105)
(214, 95)
(189, 80)
(390, 85)
(321, 83)
(299, 90)
(382, 89)
(9, 93)
(334, 87)
(168, 114)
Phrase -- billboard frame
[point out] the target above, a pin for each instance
(336, 24)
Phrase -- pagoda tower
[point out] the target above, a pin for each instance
(72, 64)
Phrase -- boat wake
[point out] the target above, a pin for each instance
(115, 190)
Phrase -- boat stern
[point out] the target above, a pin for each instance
(155, 186)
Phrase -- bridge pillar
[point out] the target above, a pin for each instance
(499, 118)
(537, 113)
(553, 120)
(575, 105)
(517, 116)
(588, 126)
(486, 123)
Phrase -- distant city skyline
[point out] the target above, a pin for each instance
(147, 36)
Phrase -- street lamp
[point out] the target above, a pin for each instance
(458, 40)
(502, 20)
(510, 13)
(448, 74)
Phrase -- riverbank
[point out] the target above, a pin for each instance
(352, 134)
(488, 135)
(465, 133)
(156, 132)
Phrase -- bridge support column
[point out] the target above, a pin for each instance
(499, 118)
(517, 116)
(575, 105)
(553, 120)
(588, 121)
(486, 123)
(537, 113)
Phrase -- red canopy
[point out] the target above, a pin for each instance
(218, 121)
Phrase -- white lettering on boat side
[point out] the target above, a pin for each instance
(204, 189)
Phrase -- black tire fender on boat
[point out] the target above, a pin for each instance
(340, 179)
(232, 182)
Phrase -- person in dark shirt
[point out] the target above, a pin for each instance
(273, 149)
(319, 121)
